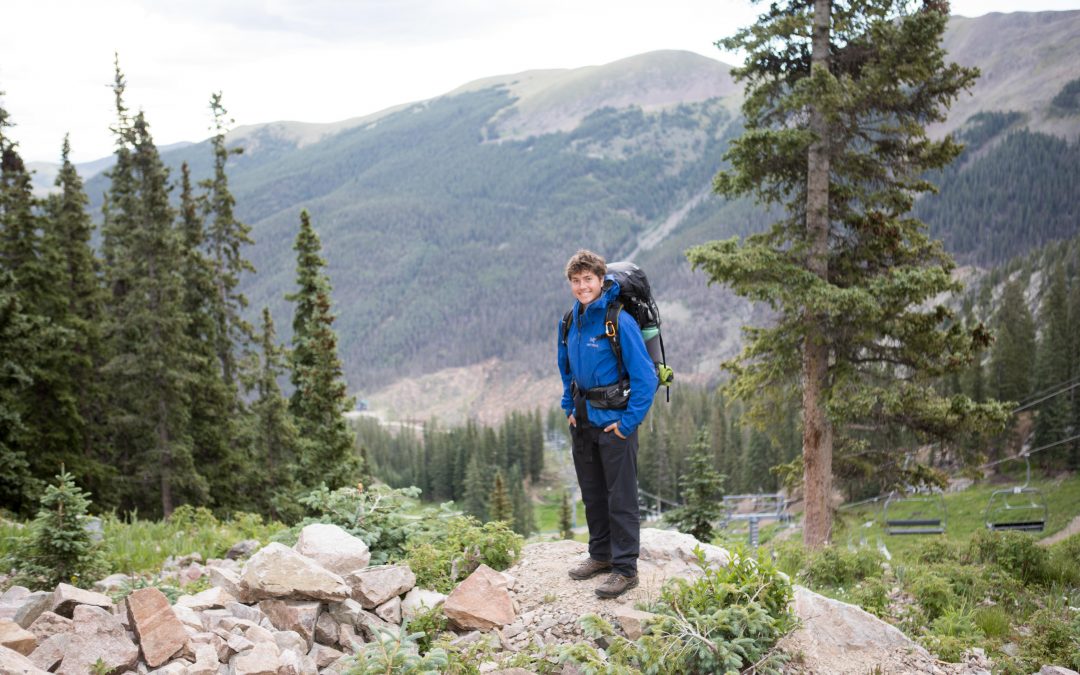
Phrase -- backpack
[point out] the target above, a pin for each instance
(635, 296)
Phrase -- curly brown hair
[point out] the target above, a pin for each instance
(586, 261)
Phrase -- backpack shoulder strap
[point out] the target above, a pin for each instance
(565, 333)
(611, 330)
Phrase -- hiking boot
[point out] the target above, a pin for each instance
(588, 569)
(615, 585)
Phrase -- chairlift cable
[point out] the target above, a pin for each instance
(1052, 387)
(1047, 397)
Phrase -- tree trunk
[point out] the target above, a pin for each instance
(817, 431)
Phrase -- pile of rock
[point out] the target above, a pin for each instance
(286, 611)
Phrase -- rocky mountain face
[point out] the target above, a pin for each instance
(446, 223)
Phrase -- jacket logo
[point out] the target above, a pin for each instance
(592, 343)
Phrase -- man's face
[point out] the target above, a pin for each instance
(586, 286)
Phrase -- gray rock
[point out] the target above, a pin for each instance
(290, 639)
(249, 612)
(372, 586)
(113, 582)
(333, 548)
(211, 598)
(277, 571)
(97, 635)
(14, 595)
(1056, 670)
(229, 581)
(178, 667)
(50, 624)
(66, 597)
(32, 606)
(631, 620)
(419, 599)
(264, 659)
(324, 656)
(295, 615)
(664, 545)
(326, 629)
(390, 611)
(243, 549)
(346, 612)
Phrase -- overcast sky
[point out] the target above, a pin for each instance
(318, 60)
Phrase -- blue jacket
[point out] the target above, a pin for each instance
(592, 362)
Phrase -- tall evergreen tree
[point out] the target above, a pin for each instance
(499, 505)
(702, 490)
(276, 441)
(150, 360)
(1012, 360)
(835, 132)
(477, 488)
(566, 525)
(214, 418)
(319, 401)
(1054, 364)
(225, 238)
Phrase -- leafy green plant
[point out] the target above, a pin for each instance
(1014, 552)
(872, 595)
(729, 619)
(938, 551)
(60, 549)
(377, 515)
(933, 593)
(838, 567)
(952, 633)
(441, 562)
(428, 624)
(395, 651)
(1054, 638)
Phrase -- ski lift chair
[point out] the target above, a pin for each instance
(915, 511)
(1020, 507)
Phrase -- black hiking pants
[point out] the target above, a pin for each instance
(606, 468)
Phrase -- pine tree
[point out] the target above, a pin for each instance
(835, 132)
(499, 504)
(566, 525)
(702, 492)
(1012, 360)
(20, 343)
(150, 359)
(68, 231)
(476, 489)
(276, 442)
(1054, 363)
(60, 548)
(214, 419)
(319, 401)
(225, 237)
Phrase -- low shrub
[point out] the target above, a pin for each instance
(1064, 564)
(727, 620)
(1014, 552)
(933, 593)
(952, 633)
(872, 595)
(442, 561)
(790, 557)
(938, 551)
(377, 515)
(839, 567)
(1054, 639)
(396, 651)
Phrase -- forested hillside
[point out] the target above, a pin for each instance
(447, 222)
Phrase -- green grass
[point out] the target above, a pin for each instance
(134, 546)
(964, 510)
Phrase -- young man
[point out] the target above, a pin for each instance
(604, 422)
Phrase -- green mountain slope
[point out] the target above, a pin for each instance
(447, 222)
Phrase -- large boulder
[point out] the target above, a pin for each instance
(333, 548)
(277, 571)
(161, 634)
(372, 586)
(49, 624)
(31, 607)
(839, 638)
(263, 659)
(481, 602)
